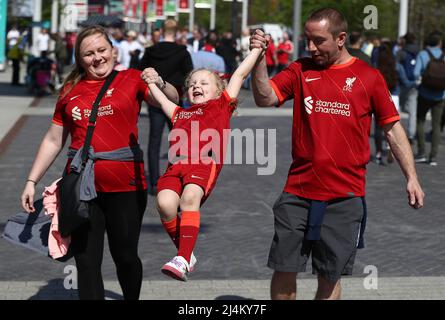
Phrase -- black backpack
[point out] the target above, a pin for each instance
(434, 75)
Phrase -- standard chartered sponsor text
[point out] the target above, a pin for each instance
(335, 107)
(102, 111)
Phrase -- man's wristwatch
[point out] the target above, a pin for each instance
(163, 85)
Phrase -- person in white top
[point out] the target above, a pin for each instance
(13, 36)
(43, 41)
(130, 49)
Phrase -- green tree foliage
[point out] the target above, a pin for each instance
(426, 16)
(282, 12)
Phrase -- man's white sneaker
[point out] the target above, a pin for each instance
(177, 268)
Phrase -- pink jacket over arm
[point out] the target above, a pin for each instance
(57, 246)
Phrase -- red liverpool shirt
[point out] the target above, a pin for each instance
(203, 129)
(116, 126)
(331, 125)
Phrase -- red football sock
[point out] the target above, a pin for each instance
(188, 233)
(172, 228)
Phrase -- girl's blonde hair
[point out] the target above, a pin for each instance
(77, 73)
(220, 84)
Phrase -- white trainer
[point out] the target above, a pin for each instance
(177, 268)
(193, 261)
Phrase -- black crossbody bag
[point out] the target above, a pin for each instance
(72, 211)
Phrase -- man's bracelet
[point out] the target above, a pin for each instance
(31, 181)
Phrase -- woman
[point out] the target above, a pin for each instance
(121, 187)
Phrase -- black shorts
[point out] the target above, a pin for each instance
(333, 255)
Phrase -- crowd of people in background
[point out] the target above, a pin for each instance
(407, 70)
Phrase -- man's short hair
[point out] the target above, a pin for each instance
(434, 38)
(336, 20)
(354, 37)
(410, 38)
(170, 26)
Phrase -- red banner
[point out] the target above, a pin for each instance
(134, 8)
(160, 8)
(183, 4)
(144, 8)
(127, 7)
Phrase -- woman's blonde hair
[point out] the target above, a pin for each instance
(220, 84)
(77, 73)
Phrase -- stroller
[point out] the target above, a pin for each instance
(40, 75)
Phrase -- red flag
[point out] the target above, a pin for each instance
(160, 7)
(183, 4)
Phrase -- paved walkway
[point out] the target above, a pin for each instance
(392, 288)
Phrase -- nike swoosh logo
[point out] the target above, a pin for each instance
(312, 79)
(75, 97)
(196, 177)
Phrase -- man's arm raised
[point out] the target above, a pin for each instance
(263, 93)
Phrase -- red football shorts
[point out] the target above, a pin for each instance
(177, 176)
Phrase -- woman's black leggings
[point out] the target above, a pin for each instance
(120, 215)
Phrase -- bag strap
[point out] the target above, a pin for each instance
(93, 116)
(432, 57)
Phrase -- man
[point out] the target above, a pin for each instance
(285, 50)
(355, 45)
(43, 41)
(322, 208)
(406, 57)
(429, 98)
(172, 62)
(196, 42)
(13, 36)
(208, 59)
(130, 50)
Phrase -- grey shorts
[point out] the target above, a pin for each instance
(333, 255)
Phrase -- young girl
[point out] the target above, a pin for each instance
(191, 176)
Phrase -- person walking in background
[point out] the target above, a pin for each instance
(406, 58)
(43, 41)
(119, 181)
(15, 54)
(12, 37)
(355, 45)
(271, 58)
(196, 42)
(192, 172)
(130, 51)
(285, 50)
(322, 210)
(430, 64)
(227, 50)
(172, 62)
(208, 60)
(386, 64)
(60, 54)
(70, 39)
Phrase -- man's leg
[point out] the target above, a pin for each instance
(289, 251)
(436, 115)
(411, 108)
(334, 254)
(328, 290)
(283, 286)
(422, 109)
